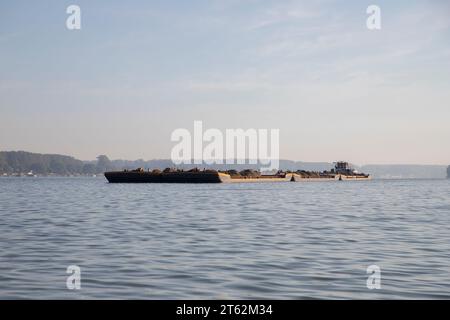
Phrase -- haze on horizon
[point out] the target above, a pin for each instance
(138, 70)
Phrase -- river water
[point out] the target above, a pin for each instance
(224, 241)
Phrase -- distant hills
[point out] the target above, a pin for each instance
(20, 162)
(23, 162)
(405, 171)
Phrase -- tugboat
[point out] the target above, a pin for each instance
(342, 171)
(346, 172)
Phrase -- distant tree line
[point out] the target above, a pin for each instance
(23, 162)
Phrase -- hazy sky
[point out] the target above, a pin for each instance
(137, 70)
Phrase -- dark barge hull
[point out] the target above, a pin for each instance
(164, 177)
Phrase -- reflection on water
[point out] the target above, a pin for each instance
(249, 241)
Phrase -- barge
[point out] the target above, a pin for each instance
(341, 171)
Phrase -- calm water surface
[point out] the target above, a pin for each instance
(243, 241)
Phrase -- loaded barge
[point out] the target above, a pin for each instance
(341, 171)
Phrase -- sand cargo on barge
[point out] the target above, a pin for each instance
(342, 171)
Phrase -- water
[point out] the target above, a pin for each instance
(270, 240)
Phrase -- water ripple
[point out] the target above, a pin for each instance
(272, 240)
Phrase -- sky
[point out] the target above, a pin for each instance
(138, 70)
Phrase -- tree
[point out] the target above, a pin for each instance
(103, 163)
(38, 167)
(89, 168)
(57, 167)
(4, 166)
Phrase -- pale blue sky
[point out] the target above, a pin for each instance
(137, 70)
